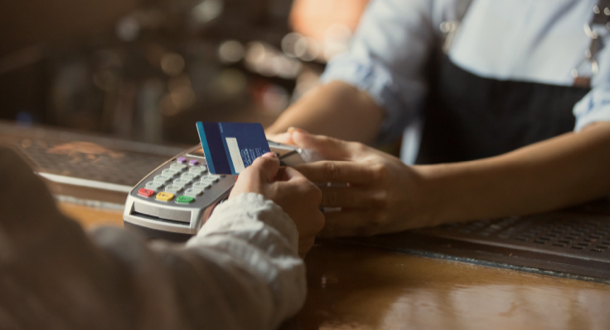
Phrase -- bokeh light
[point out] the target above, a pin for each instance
(172, 64)
(207, 10)
(231, 51)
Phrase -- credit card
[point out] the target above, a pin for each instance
(231, 147)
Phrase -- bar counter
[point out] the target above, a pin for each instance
(358, 287)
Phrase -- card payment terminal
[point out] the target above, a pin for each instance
(174, 200)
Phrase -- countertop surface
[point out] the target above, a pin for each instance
(359, 287)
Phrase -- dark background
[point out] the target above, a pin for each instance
(147, 70)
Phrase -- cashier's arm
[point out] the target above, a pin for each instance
(558, 172)
(384, 195)
(335, 109)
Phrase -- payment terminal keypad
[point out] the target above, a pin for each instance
(183, 181)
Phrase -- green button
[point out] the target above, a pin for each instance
(184, 199)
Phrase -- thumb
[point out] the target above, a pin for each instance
(256, 177)
(329, 148)
(267, 166)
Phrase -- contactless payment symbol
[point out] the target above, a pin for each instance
(231, 147)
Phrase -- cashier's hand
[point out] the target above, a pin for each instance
(285, 138)
(289, 189)
(376, 192)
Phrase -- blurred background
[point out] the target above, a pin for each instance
(147, 70)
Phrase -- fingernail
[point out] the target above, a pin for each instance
(296, 129)
(270, 155)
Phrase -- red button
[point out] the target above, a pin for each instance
(146, 192)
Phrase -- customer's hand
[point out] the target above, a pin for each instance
(375, 191)
(289, 189)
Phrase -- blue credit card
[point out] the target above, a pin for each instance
(231, 147)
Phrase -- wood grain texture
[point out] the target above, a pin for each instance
(362, 288)
(90, 216)
(353, 287)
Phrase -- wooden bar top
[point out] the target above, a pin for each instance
(356, 287)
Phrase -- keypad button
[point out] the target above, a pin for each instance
(154, 185)
(210, 178)
(202, 185)
(185, 199)
(181, 182)
(193, 192)
(161, 178)
(201, 168)
(188, 176)
(178, 166)
(208, 182)
(198, 170)
(146, 192)
(173, 189)
(181, 160)
(165, 196)
(193, 162)
(168, 172)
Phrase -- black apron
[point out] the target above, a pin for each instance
(469, 117)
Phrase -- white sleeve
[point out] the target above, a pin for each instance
(257, 244)
(594, 107)
(241, 271)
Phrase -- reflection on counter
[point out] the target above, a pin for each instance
(354, 287)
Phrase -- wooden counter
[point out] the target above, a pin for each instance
(353, 287)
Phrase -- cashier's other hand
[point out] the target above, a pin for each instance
(376, 192)
(289, 189)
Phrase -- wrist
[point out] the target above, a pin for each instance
(439, 194)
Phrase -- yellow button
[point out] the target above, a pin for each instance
(165, 196)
